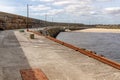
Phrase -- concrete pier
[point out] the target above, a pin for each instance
(56, 61)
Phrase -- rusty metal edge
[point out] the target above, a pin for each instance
(85, 52)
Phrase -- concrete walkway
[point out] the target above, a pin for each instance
(61, 63)
(56, 61)
(12, 57)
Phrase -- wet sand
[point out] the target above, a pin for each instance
(99, 30)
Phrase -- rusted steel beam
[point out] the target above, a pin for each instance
(33, 74)
(56, 40)
(71, 46)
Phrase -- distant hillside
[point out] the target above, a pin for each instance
(12, 21)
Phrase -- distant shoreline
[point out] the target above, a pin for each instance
(98, 30)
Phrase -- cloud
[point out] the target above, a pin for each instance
(40, 8)
(104, 0)
(72, 7)
(78, 9)
(55, 11)
(43, 0)
(112, 10)
(49, 12)
(5, 8)
(70, 2)
(61, 3)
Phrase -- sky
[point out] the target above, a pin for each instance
(73, 11)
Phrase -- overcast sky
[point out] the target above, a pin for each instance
(78, 11)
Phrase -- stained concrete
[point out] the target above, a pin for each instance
(56, 61)
(12, 57)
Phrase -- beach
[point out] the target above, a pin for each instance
(99, 30)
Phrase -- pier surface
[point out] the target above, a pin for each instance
(18, 51)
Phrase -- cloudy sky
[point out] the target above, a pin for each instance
(78, 11)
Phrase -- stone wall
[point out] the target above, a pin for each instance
(53, 32)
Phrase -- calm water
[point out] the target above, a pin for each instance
(107, 44)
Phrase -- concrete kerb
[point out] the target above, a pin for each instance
(85, 52)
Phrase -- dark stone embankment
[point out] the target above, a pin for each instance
(1, 29)
(54, 31)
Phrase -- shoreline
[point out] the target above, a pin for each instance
(96, 30)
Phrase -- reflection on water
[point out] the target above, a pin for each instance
(107, 44)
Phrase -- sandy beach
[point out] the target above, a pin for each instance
(99, 30)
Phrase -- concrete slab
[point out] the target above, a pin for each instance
(12, 58)
(61, 63)
(56, 61)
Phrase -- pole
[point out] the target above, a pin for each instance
(27, 16)
(52, 19)
(45, 19)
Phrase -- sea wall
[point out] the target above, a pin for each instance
(53, 32)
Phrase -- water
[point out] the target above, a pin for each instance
(107, 44)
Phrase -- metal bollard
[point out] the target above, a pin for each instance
(32, 36)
